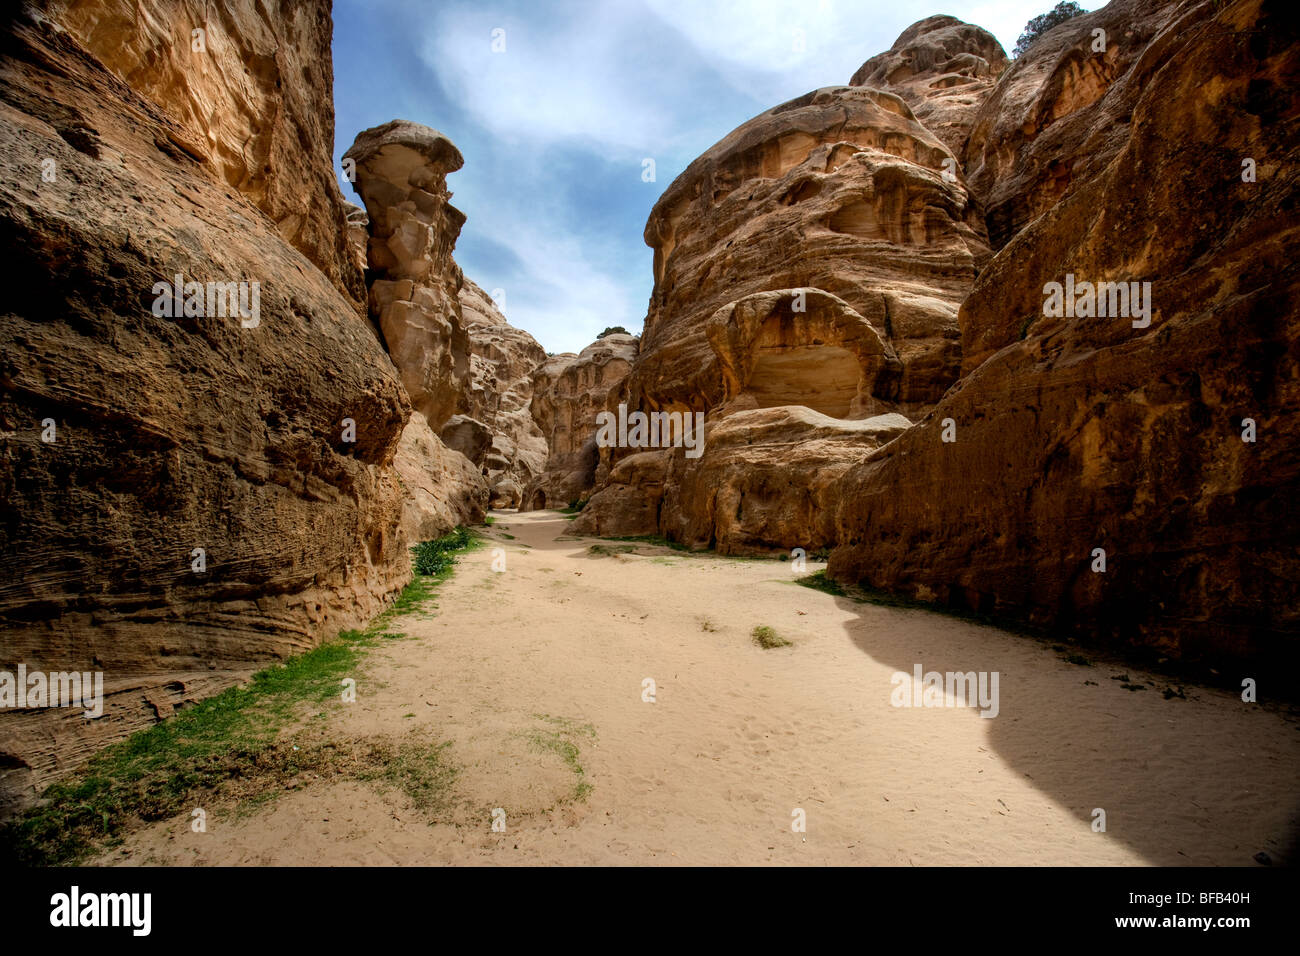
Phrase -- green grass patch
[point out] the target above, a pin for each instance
(420, 771)
(820, 582)
(562, 739)
(659, 541)
(435, 558)
(767, 638)
(608, 551)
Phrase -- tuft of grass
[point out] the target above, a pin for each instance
(489, 521)
(1077, 659)
(820, 582)
(563, 742)
(608, 551)
(767, 638)
(657, 540)
(422, 773)
(435, 558)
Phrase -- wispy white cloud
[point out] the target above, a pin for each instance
(562, 76)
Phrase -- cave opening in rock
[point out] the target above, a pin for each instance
(821, 377)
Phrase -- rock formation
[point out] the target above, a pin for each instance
(249, 88)
(401, 170)
(182, 500)
(840, 190)
(503, 362)
(1044, 125)
(569, 391)
(193, 492)
(812, 261)
(944, 69)
(1144, 143)
(767, 481)
(1075, 434)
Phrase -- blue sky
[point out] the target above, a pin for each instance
(555, 128)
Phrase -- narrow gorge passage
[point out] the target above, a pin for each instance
(532, 679)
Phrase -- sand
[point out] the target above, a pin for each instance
(514, 670)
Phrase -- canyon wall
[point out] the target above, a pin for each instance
(256, 102)
(190, 494)
(1100, 432)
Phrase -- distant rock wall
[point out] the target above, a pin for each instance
(503, 363)
(569, 391)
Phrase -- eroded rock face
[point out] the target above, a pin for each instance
(441, 487)
(802, 347)
(840, 190)
(254, 101)
(569, 391)
(1082, 433)
(503, 362)
(944, 69)
(401, 170)
(767, 481)
(1044, 128)
(170, 433)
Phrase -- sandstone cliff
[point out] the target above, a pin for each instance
(249, 88)
(812, 261)
(1076, 434)
(190, 493)
(944, 69)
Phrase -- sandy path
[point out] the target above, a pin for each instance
(738, 737)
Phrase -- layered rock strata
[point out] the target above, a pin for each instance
(1124, 476)
(812, 262)
(401, 169)
(503, 363)
(187, 495)
(249, 88)
(944, 69)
